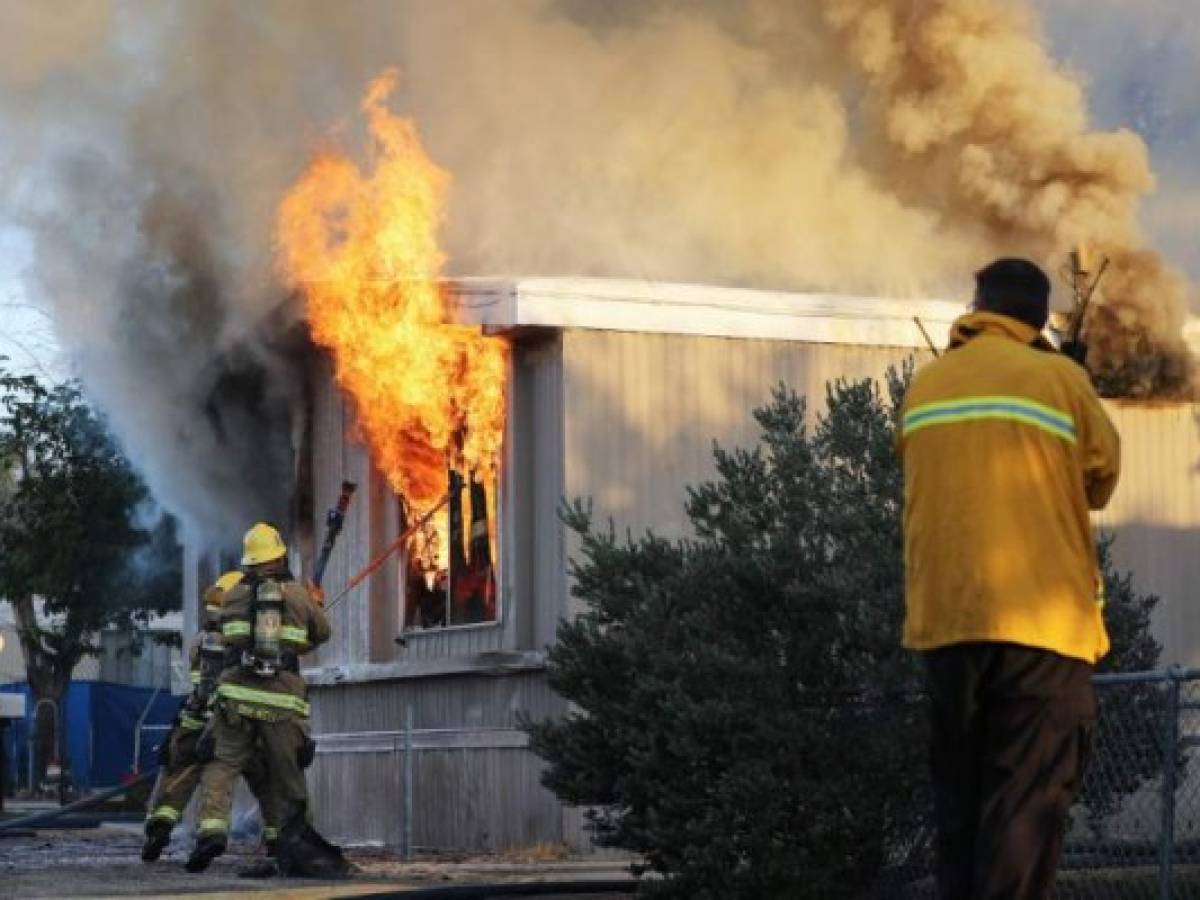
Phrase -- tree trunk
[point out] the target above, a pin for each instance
(48, 670)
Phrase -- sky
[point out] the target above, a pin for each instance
(1140, 62)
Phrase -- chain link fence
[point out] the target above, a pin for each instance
(1135, 830)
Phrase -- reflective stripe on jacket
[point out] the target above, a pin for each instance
(304, 624)
(1004, 446)
(270, 699)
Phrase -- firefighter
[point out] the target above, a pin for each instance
(1005, 447)
(181, 757)
(268, 620)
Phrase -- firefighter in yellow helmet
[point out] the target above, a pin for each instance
(268, 620)
(181, 757)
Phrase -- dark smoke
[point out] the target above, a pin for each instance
(764, 143)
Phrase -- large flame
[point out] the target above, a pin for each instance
(361, 245)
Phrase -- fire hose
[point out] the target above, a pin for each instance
(81, 804)
(391, 548)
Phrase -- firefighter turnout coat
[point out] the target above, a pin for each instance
(303, 627)
(262, 715)
(1005, 447)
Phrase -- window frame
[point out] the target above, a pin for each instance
(504, 523)
(401, 598)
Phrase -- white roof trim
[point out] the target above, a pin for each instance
(667, 308)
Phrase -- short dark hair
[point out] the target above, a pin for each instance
(1016, 288)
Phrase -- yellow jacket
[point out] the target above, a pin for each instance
(1004, 446)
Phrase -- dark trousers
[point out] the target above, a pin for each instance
(1011, 735)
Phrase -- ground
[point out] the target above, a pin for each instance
(105, 862)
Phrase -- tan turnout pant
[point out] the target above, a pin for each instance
(246, 735)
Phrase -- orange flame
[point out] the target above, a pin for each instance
(361, 246)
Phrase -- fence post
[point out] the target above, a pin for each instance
(408, 782)
(1166, 846)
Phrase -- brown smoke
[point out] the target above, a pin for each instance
(977, 118)
(147, 145)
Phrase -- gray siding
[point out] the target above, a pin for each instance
(464, 797)
(475, 786)
(537, 485)
(641, 411)
(337, 459)
(1155, 513)
(478, 701)
(156, 665)
(200, 569)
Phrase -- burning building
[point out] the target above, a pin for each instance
(466, 410)
(614, 391)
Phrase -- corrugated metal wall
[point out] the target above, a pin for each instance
(1155, 514)
(154, 665)
(641, 412)
(475, 786)
(337, 459)
(537, 485)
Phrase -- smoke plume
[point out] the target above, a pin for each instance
(965, 102)
(864, 146)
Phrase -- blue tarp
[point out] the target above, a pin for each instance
(100, 719)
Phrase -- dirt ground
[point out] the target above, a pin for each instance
(105, 862)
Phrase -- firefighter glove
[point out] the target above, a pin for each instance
(317, 594)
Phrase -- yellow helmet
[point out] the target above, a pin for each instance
(262, 544)
(214, 596)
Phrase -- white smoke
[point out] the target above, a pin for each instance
(148, 142)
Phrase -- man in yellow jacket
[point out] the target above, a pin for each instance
(1005, 447)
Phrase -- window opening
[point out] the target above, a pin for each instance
(449, 564)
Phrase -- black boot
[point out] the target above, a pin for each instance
(303, 853)
(208, 848)
(158, 835)
(264, 868)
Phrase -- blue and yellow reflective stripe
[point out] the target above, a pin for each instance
(275, 699)
(293, 634)
(975, 409)
(236, 628)
(270, 833)
(213, 826)
(189, 723)
(194, 676)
